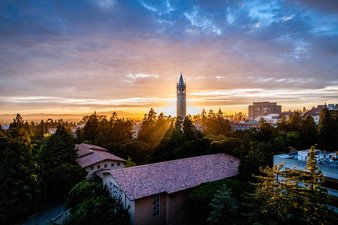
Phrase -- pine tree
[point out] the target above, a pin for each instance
(292, 196)
(327, 127)
(223, 207)
(19, 183)
(58, 169)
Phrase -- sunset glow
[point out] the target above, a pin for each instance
(107, 55)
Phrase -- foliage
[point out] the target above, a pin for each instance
(291, 196)
(252, 160)
(91, 204)
(98, 130)
(223, 207)
(58, 169)
(214, 124)
(19, 183)
(228, 145)
(198, 201)
(81, 191)
(153, 128)
(327, 127)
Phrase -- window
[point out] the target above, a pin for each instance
(92, 167)
(112, 165)
(156, 205)
(118, 163)
(105, 165)
(98, 166)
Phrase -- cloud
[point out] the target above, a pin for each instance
(135, 76)
(201, 22)
(106, 4)
(80, 51)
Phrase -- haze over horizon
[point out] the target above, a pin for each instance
(109, 55)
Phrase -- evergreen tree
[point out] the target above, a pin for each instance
(91, 129)
(90, 203)
(292, 196)
(223, 207)
(19, 183)
(59, 171)
(328, 135)
(189, 129)
(308, 133)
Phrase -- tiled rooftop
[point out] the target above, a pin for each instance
(92, 154)
(173, 176)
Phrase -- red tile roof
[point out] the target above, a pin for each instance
(173, 176)
(91, 154)
(315, 111)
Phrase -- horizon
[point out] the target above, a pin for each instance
(109, 55)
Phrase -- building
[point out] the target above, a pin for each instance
(155, 193)
(333, 107)
(244, 125)
(181, 106)
(315, 111)
(263, 108)
(95, 159)
(327, 163)
(271, 118)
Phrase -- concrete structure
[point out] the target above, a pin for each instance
(332, 107)
(327, 163)
(156, 193)
(181, 106)
(244, 125)
(263, 108)
(271, 118)
(95, 159)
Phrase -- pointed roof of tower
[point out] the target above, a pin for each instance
(181, 81)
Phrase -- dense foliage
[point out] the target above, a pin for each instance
(90, 203)
(40, 166)
(19, 183)
(58, 169)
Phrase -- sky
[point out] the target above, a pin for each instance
(76, 56)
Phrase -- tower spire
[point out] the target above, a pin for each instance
(181, 81)
(181, 98)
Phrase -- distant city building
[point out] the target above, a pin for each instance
(156, 193)
(95, 159)
(181, 98)
(271, 118)
(263, 108)
(314, 112)
(333, 107)
(135, 129)
(244, 125)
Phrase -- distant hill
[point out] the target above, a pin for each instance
(37, 117)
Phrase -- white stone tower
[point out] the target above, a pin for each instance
(181, 99)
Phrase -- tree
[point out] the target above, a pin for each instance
(292, 196)
(223, 207)
(252, 160)
(328, 125)
(90, 203)
(189, 129)
(308, 132)
(295, 121)
(19, 183)
(91, 129)
(58, 169)
(153, 128)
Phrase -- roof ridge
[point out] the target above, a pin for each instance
(173, 160)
